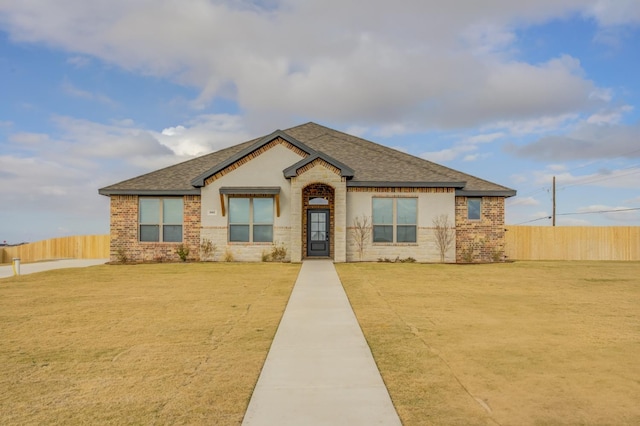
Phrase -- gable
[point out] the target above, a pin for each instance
(319, 158)
(261, 167)
(274, 139)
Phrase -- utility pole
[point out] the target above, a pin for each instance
(553, 215)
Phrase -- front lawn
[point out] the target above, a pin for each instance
(512, 344)
(139, 344)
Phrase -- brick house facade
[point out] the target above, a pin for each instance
(303, 189)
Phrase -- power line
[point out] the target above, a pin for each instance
(595, 179)
(534, 220)
(577, 213)
(600, 211)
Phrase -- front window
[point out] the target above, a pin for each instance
(395, 220)
(474, 208)
(251, 219)
(160, 219)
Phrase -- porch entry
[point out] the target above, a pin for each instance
(318, 232)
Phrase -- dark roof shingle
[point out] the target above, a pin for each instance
(371, 163)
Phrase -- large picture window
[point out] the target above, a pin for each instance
(160, 219)
(395, 220)
(251, 219)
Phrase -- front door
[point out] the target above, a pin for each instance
(318, 232)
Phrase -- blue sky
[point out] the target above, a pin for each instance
(95, 92)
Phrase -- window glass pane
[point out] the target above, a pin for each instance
(263, 210)
(382, 211)
(239, 211)
(318, 201)
(382, 234)
(262, 233)
(473, 208)
(172, 233)
(172, 211)
(407, 211)
(149, 232)
(406, 234)
(239, 233)
(149, 210)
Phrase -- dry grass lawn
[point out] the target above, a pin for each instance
(528, 343)
(142, 344)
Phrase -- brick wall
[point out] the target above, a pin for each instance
(480, 240)
(124, 232)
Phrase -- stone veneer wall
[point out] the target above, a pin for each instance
(480, 240)
(322, 191)
(425, 249)
(244, 252)
(124, 231)
(319, 172)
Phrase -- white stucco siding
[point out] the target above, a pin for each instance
(430, 205)
(264, 170)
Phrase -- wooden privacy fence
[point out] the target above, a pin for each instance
(572, 242)
(77, 247)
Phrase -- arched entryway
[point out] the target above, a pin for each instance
(318, 220)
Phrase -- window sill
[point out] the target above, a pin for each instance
(396, 244)
(161, 242)
(248, 243)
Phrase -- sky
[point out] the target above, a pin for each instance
(93, 92)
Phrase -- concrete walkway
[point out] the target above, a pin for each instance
(319, 370)
(30, 268)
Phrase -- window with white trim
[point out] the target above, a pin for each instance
(251, 219)
(474, 208)
(395, 220)
(160, 219)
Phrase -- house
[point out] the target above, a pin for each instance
(302, 189)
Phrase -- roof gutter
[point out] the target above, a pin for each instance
(145, 192)
(378, 184)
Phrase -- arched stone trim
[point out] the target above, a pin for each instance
(318, 190)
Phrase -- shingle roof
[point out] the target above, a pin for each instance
(372, 164)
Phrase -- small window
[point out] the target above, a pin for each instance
(250, 219)
(474, 206)
(160, 219)
(395, 220)
(318, 201)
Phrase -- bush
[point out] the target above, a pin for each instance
(278, 253)
(183, 252)
(397, 260)
(121, 255)
(207, 250)
(228, 256)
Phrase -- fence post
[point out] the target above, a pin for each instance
(16, 266)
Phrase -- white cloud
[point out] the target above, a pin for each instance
(79, 61)
(543, 124)
(619, 178)
(522, 201)
(76, 92)
(609, 115)
(416, 75)
(612, 13)
(557, 167)
(447, 154)
(204, 134)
